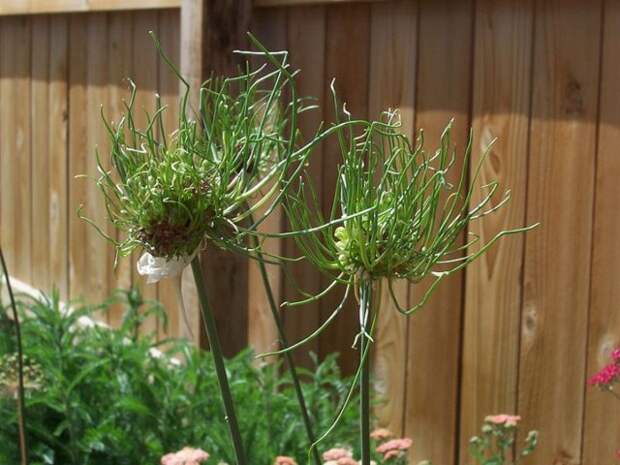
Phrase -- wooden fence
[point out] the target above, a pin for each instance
(518, 332)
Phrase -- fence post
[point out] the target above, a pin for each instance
(210, 31)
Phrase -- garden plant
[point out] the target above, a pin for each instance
(101, 396)
(395, 215)
(400, 212)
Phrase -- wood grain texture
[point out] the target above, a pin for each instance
(443, 92)
(601, 430)
(501, 99)
(39, 136)
(99, 253)
(262, 332)
(15, 40)
(393, 56)
(58, 154)
(309, 57)
(560, 196)
(21, 7)
(120, 56)
(223, 30)
(301, 3)
(346, 25)
(78, 111)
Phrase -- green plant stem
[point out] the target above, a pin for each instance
(21, 408)
(287, 355)
(218, 359)
(365, 319)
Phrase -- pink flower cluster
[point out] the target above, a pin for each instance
(381, 434)
(609, 374)
(284, 460)
(339, 456)
(394, 447)
(186, 456)
(503, 419)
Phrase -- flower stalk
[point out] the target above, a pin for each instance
(218, 360)
(288, 357)
(21, 408)
(366, 296)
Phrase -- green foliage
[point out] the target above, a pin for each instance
(105, 399)
(497, 442)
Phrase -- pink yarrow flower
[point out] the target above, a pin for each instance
(608, 375)
(336, 454)
(394, 447)
(346, 461)
(503, 419)
(186, 456)
(392, 454)
(381, 434)
(284, 460)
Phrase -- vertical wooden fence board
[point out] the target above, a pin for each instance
(346, 25)
(98, 251)
(39, 113)
(168, 88)
(120, 57)
(191, 37)
(3, 163)
(601, 428)
(16, 154)
(443, 92)
(58, 154)
(144, 73)
(78, 257)
(306, 43)
(560, 196)
(270, 28)
(226, 274)
(501, 99)
(393, 55)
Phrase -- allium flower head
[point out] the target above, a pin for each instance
(395, 215)
(168, 190)
(186, 456)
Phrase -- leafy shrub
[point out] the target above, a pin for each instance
(102, 397)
